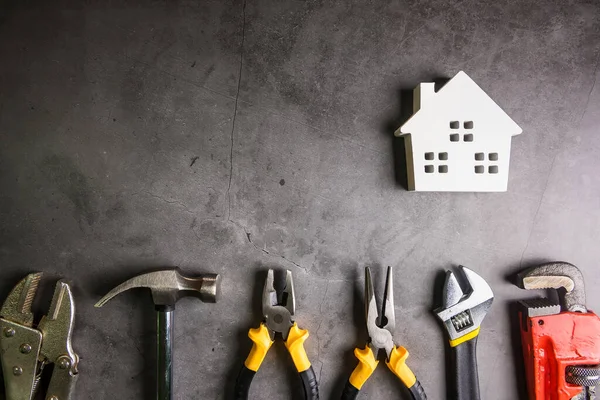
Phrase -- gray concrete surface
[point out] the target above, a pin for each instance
(234, 136)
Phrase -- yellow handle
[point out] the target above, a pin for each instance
(366, 365)
(295, 345)
(397, 365)
(262, 344)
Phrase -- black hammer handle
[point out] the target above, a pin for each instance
(164, 353)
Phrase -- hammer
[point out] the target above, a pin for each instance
(167, 287)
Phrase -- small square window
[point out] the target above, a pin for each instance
(493, 169)
(454, 124)
(468, 137)
(493, 156)
(429, 169)
(443, 169)
(468, 124)
(443, 156)
(454, 137)
(479, 157)
(429, 156)
(479, 169)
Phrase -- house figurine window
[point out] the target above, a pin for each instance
(455, 136)
(430, 168)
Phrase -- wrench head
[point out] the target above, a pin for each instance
(561, 276)
(463, 309)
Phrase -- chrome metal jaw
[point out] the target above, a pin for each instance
(26, 350)
(279, 308)
(462, 313)
(380, 324)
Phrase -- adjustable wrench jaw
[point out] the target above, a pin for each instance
(462, 313)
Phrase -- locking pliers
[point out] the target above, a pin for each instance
(26, 349)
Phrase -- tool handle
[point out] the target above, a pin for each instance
(350, 392)
(64, 378)
(242, 383)
(261, 344)
(397, 364)
(417, 392)
(164, 352)
(310, 384)
(464, 362)
(366, 365)
(295, 346)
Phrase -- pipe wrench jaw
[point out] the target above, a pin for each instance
(463, 311)
(563, 277)
(561, 337)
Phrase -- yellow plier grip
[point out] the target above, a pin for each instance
(366, 366)
(367, 363)
(261, 344)
(295, 346)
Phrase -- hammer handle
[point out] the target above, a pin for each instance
(164, 353)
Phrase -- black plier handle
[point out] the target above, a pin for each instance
(262, 342)
(367, 364)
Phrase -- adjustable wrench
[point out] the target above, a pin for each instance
(462, 314)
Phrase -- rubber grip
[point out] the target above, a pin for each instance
(310, 384)
(397, 364)
(366, 365)
(242, 383)
(350, 392)
(295, 345)
(464, 363)
(261, 344)
(417, 392)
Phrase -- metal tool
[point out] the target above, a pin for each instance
(381, 326)
(26, 350)
(462, 313)
(167, 287)
(561, 341)
(279, 310)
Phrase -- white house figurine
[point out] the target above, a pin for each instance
(458, 139)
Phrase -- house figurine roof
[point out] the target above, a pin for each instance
(459, 97)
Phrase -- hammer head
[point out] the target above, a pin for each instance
(168, 286)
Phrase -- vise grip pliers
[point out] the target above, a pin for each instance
(25, 349)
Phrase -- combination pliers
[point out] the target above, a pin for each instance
(25, 350)
(278, 311)
(380, 326)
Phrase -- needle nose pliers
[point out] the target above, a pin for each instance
(381, 338)
(278, 310)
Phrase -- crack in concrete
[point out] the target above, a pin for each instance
(237, 96)
(587, 102)
(165, 200)
(264, 250)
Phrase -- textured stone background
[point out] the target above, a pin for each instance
(233, 136)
